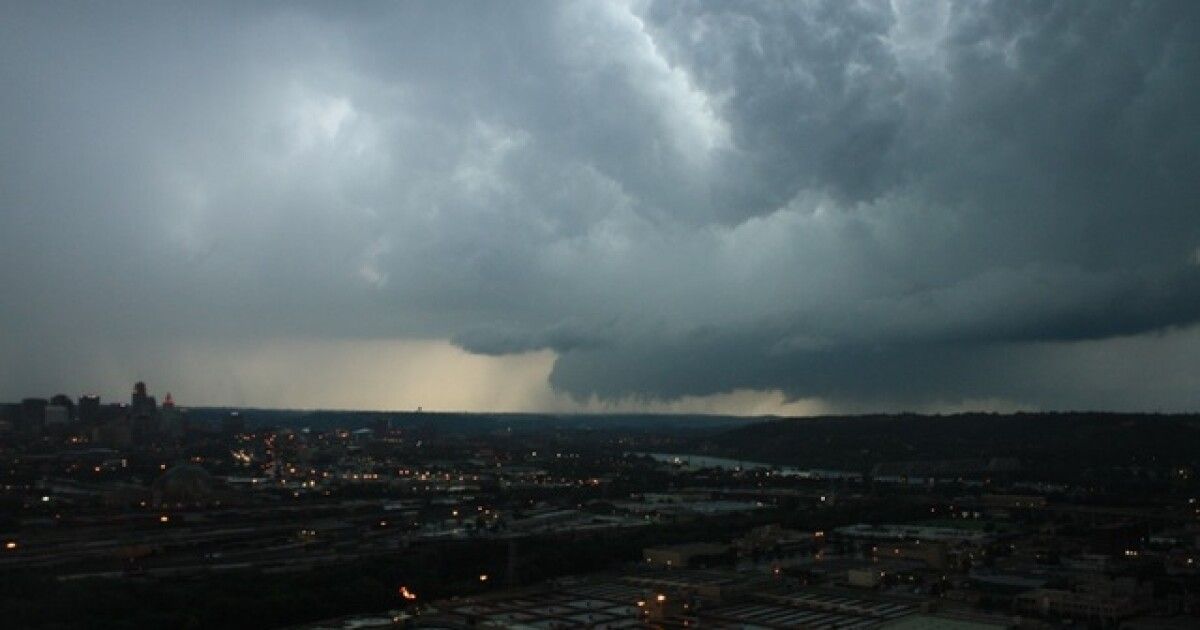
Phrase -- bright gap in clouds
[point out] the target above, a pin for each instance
(437, 375)
(434, 375)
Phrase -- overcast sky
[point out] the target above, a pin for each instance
(775, 207)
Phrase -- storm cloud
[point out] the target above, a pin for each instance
(872, 205)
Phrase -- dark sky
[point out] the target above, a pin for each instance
(747, 207)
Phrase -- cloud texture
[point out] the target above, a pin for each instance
(866, 204)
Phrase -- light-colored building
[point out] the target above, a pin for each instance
(923, 621)
(681, 556)
(1076, 605)
(892, 532)
(864, 578)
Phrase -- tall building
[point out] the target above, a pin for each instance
(140, 401)
(171, 418)
(143, 414)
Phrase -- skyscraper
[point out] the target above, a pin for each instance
(143, 412)
(140, 401)
(171, 418)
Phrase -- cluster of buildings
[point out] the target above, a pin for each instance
(131, 491)
(141, 421)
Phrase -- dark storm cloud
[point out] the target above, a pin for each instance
(563, 337)
(862, 202)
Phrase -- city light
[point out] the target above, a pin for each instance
(259, 531)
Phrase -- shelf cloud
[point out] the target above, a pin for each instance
(821, 205)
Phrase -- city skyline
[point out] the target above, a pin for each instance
(793, 209)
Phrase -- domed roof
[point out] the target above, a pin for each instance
(185, 483)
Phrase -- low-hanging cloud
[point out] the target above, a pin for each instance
(864, 203)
